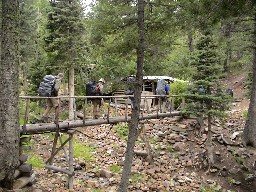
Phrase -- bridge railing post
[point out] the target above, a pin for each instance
(26, 114)
(85, 102)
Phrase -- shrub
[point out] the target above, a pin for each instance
(122, 130)
(178, 88)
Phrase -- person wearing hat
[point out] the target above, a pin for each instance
(98, 102)
(53, 102)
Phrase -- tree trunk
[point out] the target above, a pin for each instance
(227, 32)
(209, 145)
(250, 126)
(133, 125)
(190, 41)
(9, 114)
(71, 89)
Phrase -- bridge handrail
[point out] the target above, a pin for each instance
(85, 97)
(144, 104)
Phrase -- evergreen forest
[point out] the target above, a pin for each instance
(199, 43)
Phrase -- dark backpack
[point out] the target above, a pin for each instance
(160, 87)
(230, 92)
(92, 89)
(46, 87)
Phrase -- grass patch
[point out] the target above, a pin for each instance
(115, 168)
(170, 149)
(79, 149)
(36, 161)
(207, 189)
(136, 178)
(122, 130)
(97, 190)
(63, 116)
(238, 159)
(245, 114)
(176, 156)
(83, 151)
(152, 141)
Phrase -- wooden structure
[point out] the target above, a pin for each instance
(68, 127)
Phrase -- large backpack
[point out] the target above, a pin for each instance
(46, 87)
(92, 89)
(160, 87)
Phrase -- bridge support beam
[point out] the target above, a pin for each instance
(70, 171)
(66, 125)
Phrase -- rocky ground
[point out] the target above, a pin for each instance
(178, 156)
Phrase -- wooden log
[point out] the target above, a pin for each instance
(141, 153)
(44, 127)
(81, 115)
(23, 181)
(59, 169)
(71, 162)
(25, 139)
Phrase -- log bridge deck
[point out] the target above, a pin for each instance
(68, 126)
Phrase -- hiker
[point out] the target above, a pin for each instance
(163, 89)
(230, 92)
(98, 102)
(53, 102)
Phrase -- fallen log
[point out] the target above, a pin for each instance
(59, 169)
(44, 127)
(141, 153)
(81, 116)
(23, 181)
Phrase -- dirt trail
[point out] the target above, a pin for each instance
(237, 83)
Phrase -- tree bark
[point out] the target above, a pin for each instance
(71, 90)
(227, 32)
(190, 42)
(133, 125)
(9, 114)
(250, 125)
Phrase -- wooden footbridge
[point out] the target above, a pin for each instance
(110, 115)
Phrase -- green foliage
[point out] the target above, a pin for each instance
(94, 189)
(63, 115)
(65, 42)
(115, 168)
(208, 189)
(245, 115)
(231, 180)
(122, 130)
(83, 151)
(170, 149)
(136, 178)
(34, 110)
(238, 159)
(178, 88)
(36, 162)
(209, 99)
(33, 58)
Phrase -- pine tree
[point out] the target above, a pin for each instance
(65, 42)
(207, 98)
